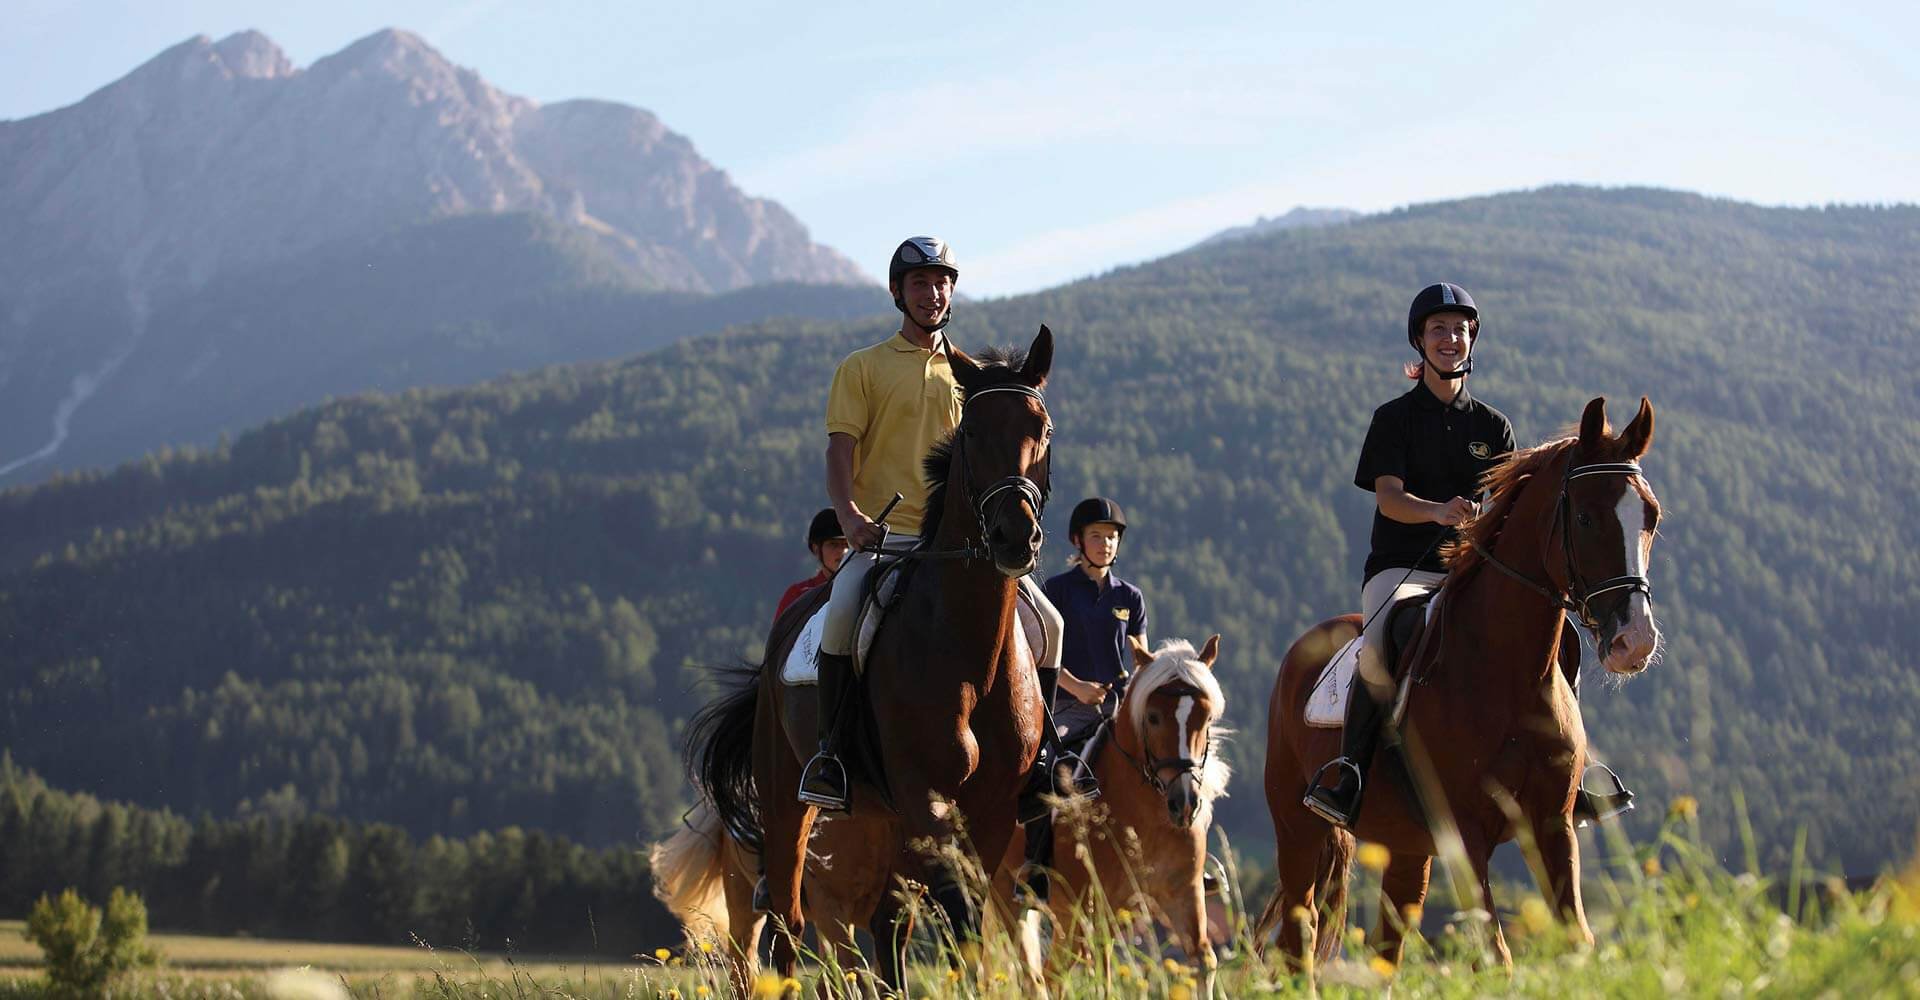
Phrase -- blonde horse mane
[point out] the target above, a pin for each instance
(689, 874)
(1177, 661)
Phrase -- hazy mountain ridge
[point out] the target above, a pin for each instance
(218, 163)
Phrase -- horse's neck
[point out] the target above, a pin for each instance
(1518, 633)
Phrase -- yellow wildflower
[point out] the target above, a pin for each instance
(661, 954)
(676, 961)
(953, 975)
(1373, 857)
(1124, 915)
(1683, 807)
(790, 986)
(1534, 915)
(1381, 967)
(852, 976)
(1124, 972)
(706, 947)
(766, 986)
(1182, 990)
(703, 990)
(1172, 966)
(1650, 867)
(673, 995)
(1411, 913)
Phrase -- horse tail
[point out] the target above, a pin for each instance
(1336, 864)
(719, 754)
(689, 874)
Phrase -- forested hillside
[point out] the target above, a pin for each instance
(467, 609)
(279, 872)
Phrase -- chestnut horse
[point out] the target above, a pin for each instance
(952, 706)
(1491, 736)
(1160, 771)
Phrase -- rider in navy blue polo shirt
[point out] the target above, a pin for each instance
(1106, 617)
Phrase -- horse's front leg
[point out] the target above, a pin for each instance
(1480, 855)
(1186, 908)
(1560, 855)
(1403, 894)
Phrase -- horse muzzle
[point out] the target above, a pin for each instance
(1183, 800)
(1630, 650)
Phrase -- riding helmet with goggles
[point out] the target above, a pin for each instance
(825, 528)
(914, 253)
(1096, 510)
(1439, 297)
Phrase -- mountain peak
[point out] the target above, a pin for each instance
(391, 47)
(251, 54)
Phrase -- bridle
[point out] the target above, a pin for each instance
(1035, 494)
(1150, 768)
(1578, 596)
(1016, 487)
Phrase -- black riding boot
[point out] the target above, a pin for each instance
(824, 781)
(1340, 805)
(1032, 877)
(1590, 807)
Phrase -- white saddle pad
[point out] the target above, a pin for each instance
(802, 666)
(1327, 703)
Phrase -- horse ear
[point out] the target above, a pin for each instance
(965, 369)
(1211, 651)
(1039, 358)
(1638, 437)
(1141, 658)
(1593, 424)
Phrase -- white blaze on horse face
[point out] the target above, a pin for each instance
(1181, 712)
(1636, 641)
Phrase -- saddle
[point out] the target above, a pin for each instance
(1407, 621)
(884, 586)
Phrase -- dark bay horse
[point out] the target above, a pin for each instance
(1492, 736)
(953, 708)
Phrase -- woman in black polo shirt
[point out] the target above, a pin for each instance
(1422, 460)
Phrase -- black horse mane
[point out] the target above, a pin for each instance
(998, 366)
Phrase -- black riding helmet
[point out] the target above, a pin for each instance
(1096, 510)
(1439, 297)
(825, 528)
(914, 253)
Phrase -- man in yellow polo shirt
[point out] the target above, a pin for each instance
(889, 405)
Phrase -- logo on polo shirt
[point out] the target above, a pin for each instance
(1124, 614)
(1479, 449)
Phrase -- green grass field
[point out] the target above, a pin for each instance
(1669, 921)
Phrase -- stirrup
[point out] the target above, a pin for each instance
(816, 773)
(1080, 780)
(762, 896)
(1598, 807)
(1211, 881)
(1330, 811)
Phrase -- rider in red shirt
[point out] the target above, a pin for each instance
(829, 546)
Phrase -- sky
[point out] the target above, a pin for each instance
(1055, 141)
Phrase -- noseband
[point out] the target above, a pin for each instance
(1582, 594)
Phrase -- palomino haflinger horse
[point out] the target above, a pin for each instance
(951, 716)
(1143, 845)
(1490, 734)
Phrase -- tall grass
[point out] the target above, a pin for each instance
(1670, 920)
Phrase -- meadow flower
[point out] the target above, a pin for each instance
(662, 954)
(1381, 967)
(1683, 807)
(766, 986)
(1373, 857)
(1534, 915)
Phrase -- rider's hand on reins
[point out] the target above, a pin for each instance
(1454, 512)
